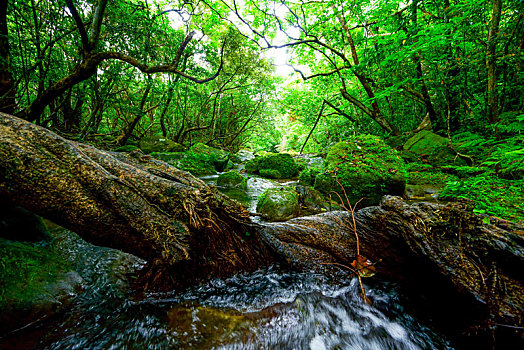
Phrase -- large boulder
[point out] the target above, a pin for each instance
(36, 282)
(159, 145)
(242, 156)
(278, 204)
(197, 164)
(363, 168)
(219, 158)
(274, 166)
(432, 148)
(232, 179)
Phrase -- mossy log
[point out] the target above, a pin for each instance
(132, 202)
(463, 272)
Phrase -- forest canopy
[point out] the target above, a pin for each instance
(204, 71)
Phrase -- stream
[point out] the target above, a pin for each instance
(266, 309)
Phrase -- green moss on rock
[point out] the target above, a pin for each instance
(210, 151)
(272, 163)
(278, 204)
(126, 148)
(160, 145)
(232, 179)
(270, 173)
(35, 282)
(432, 147)
(366, 167)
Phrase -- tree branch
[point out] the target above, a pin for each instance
(79, 25)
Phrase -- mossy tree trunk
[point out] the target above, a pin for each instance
(130, 202)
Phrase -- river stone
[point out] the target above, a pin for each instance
(232, 179)
(242, 156)
(433, 148)
(362, 168)
(159, 145)
(278, 204)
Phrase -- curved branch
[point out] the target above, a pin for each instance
(79, 25)
(87, 68)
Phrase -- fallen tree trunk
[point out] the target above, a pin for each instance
(466, 274)
(189, 231)
(183, 228)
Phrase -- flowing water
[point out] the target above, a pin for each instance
(266, 309)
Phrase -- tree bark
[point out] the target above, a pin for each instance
(491, 62)
(7, 86)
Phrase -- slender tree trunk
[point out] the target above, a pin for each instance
(376, 113)
(7, 88)
(491, 62)
(140, 113)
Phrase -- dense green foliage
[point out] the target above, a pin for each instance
(167, 75)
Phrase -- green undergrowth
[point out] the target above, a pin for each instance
(495, 181)
(25, 268)
(491, 194)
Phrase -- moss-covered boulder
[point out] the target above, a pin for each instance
(278, 204)
(159, 145)
(273, 165)
(366, 167)
(232, 179)
(199, 160)
(126, 148)
(197, 164)
(432, 148)
(36, 282)
(242, 156)
(218, 157)
(210, 151)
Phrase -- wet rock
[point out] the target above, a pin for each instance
(242, 156)
(216, 326)
(159, 145)
(232, 179)
(467, 273)
(36, 283)
(423, 192)
(278, 204)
